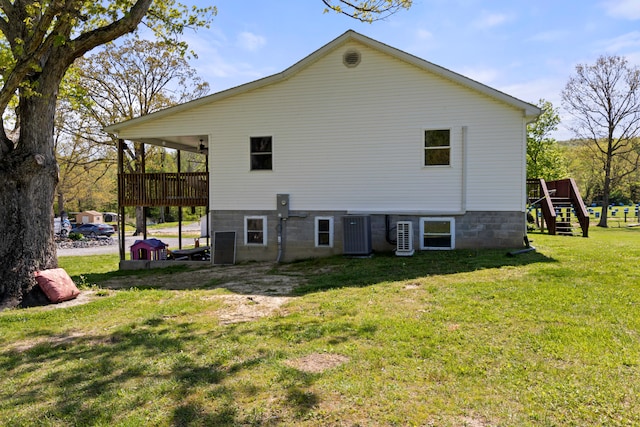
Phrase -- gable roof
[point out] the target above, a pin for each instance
(530, 112)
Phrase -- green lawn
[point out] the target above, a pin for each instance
(462, 338)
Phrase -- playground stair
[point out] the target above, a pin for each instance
(559, 202)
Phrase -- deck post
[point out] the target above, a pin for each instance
(143, 166)
(120, 221)
(180, 206)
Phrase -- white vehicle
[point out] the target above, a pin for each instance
(61, 227)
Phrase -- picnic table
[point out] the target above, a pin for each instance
(202, 253)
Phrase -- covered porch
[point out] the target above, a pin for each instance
(157, 189)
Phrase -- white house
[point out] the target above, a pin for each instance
(327, 156)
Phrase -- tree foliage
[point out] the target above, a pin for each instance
(366, 10)
(604, 100)
(119, 83)
(544, 156)
(39, 40)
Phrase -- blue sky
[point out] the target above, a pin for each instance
(528, 49)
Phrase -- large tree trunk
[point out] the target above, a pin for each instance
(28, 179)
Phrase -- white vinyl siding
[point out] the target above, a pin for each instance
(349, 139)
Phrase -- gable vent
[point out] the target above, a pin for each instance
(351, 58)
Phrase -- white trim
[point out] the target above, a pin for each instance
(452, 231)
(264, 230)
(383, 211)
(317, 230)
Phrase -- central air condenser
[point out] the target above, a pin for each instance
(357, 235)
(404, 238)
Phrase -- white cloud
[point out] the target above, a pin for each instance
(483, 75)
(625, 9)
(490, 20)
(251, 42)
(622, 42)
(546, 88)
(218, 62)
(422, 34)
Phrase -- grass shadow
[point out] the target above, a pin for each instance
(340, 272)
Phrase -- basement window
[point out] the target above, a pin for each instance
(437, 233)
(437, 147)
(261, 152)
(324, 231)
(255, 230)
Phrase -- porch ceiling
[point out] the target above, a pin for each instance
(180, 142)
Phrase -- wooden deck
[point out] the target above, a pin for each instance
(163, 189)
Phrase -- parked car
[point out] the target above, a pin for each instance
(95, 230)
(61, 226)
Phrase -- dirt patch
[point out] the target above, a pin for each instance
(245, 308)
(316, 363)
(257, 290)
(248, 279)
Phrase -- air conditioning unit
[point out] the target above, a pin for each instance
(357, 235)
(404, 246)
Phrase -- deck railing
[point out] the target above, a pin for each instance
(163, 189)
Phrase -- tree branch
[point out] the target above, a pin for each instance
(87, 41)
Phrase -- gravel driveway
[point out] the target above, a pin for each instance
(130, 240)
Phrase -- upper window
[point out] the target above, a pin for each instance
(324, 231)
(255, 230)
(261, 153)
(437, 233)
(437, 147)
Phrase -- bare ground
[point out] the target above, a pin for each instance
(256, 291)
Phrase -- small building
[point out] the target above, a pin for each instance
(149, 249)
(87, 217)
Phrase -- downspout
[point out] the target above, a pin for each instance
(463, 201)
(280, 231)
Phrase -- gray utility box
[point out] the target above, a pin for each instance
(357, 235)
(282, 205)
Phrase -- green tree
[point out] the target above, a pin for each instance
(39, 40)
(123, 82)
(544, 156)
(604, 99)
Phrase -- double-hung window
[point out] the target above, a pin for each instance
(261, 149)
(437, 233)
(255, 230)
(324, 231)
(437, 147)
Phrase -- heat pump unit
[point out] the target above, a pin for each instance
(357, 235)
(404, 230)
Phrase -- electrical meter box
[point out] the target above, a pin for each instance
(282, 202)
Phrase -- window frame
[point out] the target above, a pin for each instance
(260, 153)
(247, 218)
(451, 234)
(443, 147)
(317, 231)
